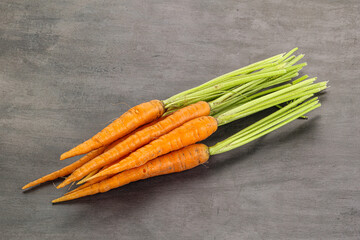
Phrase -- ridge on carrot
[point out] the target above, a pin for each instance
(149, 111)
(196, 154)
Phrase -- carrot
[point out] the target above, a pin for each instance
(196, 154)
(126, 123)
(177, 161)
(190, 132)
(66, 170)
(140, 138)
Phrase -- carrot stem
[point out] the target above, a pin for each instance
(273, 102)
(266, 125)
(278, 62)
(220, 87)
(295, 91)
(244, 70)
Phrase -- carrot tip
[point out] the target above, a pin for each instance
(90, 178)
(57, 200)
(82, 181)
(103, 173)
(64, 183)
(61, 199)
(61, 185)
(65, 156)
(28, 186)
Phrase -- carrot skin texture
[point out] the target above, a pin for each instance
(126, 123)
(140, 138)
(189, 133)
(176, 161)
(68, 169)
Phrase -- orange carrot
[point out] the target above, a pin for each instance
(180, 160)
(191, 132)
(177, 161)
(140, 138)
(68, 169)
(126, 123)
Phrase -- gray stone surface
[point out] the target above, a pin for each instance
(69, 67)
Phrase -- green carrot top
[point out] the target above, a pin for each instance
(268, 124)
(236, 82)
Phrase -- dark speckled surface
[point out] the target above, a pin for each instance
(70, 67)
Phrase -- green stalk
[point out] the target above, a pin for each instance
(266, 82)
(270, 96)
(278, 114)
(261, 132)
(287, 97)
(251, 108)
(241, 80)
(287, 55)
(221, 87)
(241, 99)
(227, 81)
(295, 60)
(244, 70)
(300, 79)
(266, 125)
(254, 87)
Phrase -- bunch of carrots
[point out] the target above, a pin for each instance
(161, 136)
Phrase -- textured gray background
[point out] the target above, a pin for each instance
(69, 67)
